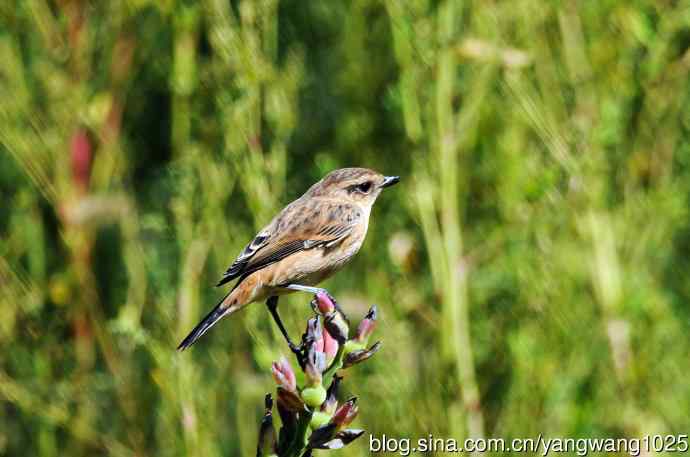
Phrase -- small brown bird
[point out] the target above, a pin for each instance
(308, 241)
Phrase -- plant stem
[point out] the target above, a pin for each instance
(299, 439)
(335, 366)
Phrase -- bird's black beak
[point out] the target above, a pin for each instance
(389, 181)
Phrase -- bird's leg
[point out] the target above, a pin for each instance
(272, 304)
(315, 291)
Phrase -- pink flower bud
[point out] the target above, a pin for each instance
(330, 346)
(284, 375)
(346, 413)
(367, 326)
(324, 303)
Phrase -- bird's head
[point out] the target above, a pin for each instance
(357, 185)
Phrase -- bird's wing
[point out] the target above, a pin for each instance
(297, 228)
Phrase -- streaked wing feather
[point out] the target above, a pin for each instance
(268, 256)
(273, 256)
(268, 248)
(238, 266)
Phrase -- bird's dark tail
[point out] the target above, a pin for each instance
(221, 310)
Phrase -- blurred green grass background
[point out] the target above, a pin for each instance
(531, 269)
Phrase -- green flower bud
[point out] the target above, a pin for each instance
(352, 345)
(318, 419)
(314, 396)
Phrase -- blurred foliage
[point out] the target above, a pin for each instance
(531, 268)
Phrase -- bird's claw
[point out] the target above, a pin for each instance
(296, 348)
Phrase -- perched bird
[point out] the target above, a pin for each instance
(308, 241)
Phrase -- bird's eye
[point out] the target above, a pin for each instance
(365, 187)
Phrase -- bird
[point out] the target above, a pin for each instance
(308, 241)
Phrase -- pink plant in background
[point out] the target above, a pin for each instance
(81, 156)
